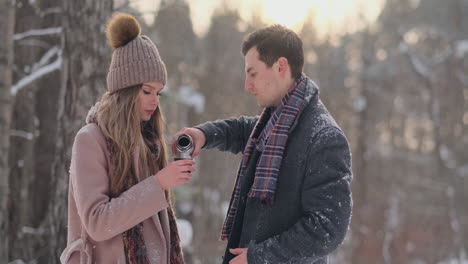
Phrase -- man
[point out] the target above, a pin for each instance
(292, 200)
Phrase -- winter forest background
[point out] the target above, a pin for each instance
(397, 84)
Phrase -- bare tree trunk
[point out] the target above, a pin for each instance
(30, 154)
(85, 60)
(7, 21)
(360, 159)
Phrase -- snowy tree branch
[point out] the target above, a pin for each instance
(35, 75)
(124, 5)
(38, 32)
(46, 58)
(426, 29)
(21, 134)
(439, 57)
(48, 11)
(33, 231)
(461, 48)
(42, 13)
(418, 66)
(462, 171)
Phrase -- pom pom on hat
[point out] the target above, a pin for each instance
(121, 29)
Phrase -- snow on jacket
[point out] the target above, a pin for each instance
(105, 219)
(311, 212)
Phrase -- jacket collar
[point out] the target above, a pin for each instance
(92, 114)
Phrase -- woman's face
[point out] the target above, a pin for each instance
(148, 99)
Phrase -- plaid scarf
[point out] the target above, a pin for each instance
(269, 137)
(133, 240)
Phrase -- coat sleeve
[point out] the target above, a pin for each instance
(326, 202)
(229, 134)
(104, 217)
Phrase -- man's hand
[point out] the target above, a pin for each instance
(198, 138)
(241, 255)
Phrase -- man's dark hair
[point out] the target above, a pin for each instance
(274, 42)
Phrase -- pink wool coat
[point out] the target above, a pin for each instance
(96, 222)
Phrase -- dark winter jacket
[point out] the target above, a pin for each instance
(311, 212)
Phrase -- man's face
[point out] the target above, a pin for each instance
(262, 81)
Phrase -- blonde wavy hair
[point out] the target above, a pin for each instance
(119, 121)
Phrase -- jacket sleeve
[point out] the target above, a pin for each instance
(104, 217)
(326, 202)
(229, 134)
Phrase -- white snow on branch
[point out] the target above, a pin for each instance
(46, 58)
(22, 134)
(35, 75)
(461, 48)
(460, 259)
(17, 261)
(415, 33)
(185, 231)
(462, 171)
(33, 231)
(360, 103)
(403, 47)
(188, 96)
(48, 11)
(447, 156)
(38, 32)
(454, 261)
(418, 65)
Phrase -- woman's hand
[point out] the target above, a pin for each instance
(175, 174)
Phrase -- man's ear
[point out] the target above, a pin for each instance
(283, 66)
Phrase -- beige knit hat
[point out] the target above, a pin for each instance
(135, 59)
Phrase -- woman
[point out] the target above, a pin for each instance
(118, 209)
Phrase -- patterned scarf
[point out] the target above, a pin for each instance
(133, 240)
(269, 137)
